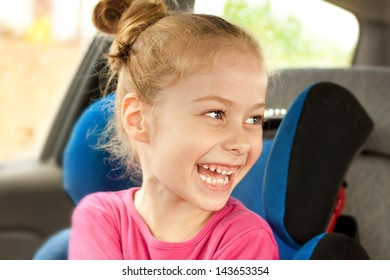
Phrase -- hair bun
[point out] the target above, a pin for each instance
(107, 14)
(126, 19)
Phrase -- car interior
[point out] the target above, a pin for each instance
(37, 197)
(301, 222)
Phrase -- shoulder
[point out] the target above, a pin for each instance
(236, 214)
(243, 234)
(97, 222)
(100, 202)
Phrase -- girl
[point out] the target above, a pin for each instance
(189, 104)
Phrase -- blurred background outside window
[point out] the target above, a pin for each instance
(41, 45)
(293, 33)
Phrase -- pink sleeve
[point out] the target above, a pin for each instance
(94, 235)
(255, 243)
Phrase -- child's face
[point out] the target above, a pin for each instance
(208, 133)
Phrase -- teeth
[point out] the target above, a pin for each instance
(219, 169)
(214, 181)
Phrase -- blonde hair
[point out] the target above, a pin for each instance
(154, 48)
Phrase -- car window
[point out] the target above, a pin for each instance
(298, 33)
(41, 45)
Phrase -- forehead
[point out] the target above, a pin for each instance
(241, 80)
(230, 71)
(234, 65)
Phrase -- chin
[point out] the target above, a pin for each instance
(213, 204)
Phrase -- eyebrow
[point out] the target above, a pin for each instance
(226, 101)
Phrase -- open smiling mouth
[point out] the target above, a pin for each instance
(216, 175)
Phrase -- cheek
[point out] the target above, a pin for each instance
(256, 149)
(173, 152)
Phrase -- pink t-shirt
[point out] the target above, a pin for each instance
(107, 226)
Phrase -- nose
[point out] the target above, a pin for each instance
(236, 141)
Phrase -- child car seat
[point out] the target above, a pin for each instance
(323, 130)
(303, 167)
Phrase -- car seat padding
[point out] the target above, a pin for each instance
(315, 143)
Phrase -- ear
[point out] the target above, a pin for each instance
(134, 118)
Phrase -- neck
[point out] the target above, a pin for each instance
(169, 217)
